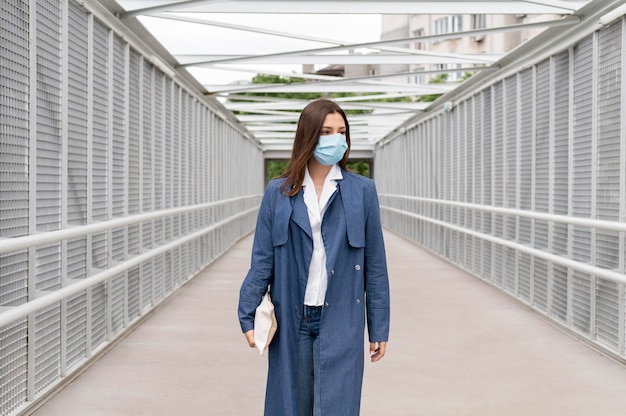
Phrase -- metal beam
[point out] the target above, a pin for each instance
(181, 5)
(566, 21)
(288, 35)
(347, 59)
(443, 7)
(325, 87)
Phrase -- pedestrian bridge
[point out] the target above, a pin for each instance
(458, 346)
(129, 196)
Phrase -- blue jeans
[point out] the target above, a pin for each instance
(309, 362)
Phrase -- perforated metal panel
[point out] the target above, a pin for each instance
(147, 282)
(14, 366)
(98, 315)
(540, 284)
(14, 118)
(525, 270)
(134, 143)
(559, 298)
(582, 147)
(118, 302)
(561, 146)
(133, 300)
(48, 267)
(607, 313)
(119, 125)
(525, 145)
(610, 113)
(47, 342)
(48, 115)
(547, 140)
(147, 173)
(77, 115)
(97, 140)
(76, 329)
(100, 126)
(583, 133)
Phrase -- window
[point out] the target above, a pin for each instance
(419, 45)
(453, 75)
(456, 23)
(449, 24)
(441, 26)
(478, 22)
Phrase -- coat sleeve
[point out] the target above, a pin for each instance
(261, 269)
(376, 277)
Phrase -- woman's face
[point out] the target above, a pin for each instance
(333, 124)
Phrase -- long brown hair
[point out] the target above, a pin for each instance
(307, 135)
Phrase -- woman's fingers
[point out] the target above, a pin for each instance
(377, 350)
(250, 338)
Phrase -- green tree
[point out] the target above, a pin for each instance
(439, 79)
(361, 167)
(276, 168)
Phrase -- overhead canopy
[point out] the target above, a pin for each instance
(224, 43)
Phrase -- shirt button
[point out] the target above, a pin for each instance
(327, 304)
(332, 272)
(357, 267)
(358, 301)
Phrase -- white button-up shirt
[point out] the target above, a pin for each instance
(318, 275)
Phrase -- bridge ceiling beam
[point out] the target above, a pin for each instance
(220, 43)
(444, 7)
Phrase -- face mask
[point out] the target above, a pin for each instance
(330, 149)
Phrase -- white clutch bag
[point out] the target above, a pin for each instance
(265, 324)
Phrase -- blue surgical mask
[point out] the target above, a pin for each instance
(330, 149)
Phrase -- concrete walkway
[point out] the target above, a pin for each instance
(458, 347)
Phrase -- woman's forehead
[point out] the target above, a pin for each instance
(334, 120)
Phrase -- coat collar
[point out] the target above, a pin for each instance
(294, 208)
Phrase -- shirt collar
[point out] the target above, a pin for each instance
(334, 174)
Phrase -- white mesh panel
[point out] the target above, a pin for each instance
(77, 116)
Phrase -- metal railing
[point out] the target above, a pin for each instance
(121, 180)
(12, 314)
(608, 274)
(520, 181)
(128, 291)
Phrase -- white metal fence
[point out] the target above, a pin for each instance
(523, 184)
(118, 183)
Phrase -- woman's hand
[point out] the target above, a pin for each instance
(250, 338)
(377, 350)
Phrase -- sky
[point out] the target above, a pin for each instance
(175, 37)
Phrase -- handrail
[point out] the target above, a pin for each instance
(584, 267)
(17, 243)
(587, 222)
(21, 311)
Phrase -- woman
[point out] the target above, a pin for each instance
(319, 244)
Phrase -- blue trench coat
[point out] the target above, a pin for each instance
(358, 290)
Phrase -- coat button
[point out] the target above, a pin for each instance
(357, 267)
(327, 304)
(358, 301)
(332, 272)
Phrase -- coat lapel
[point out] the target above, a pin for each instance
(354, 210)
(300, 215)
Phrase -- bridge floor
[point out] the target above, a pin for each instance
(458, 347)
